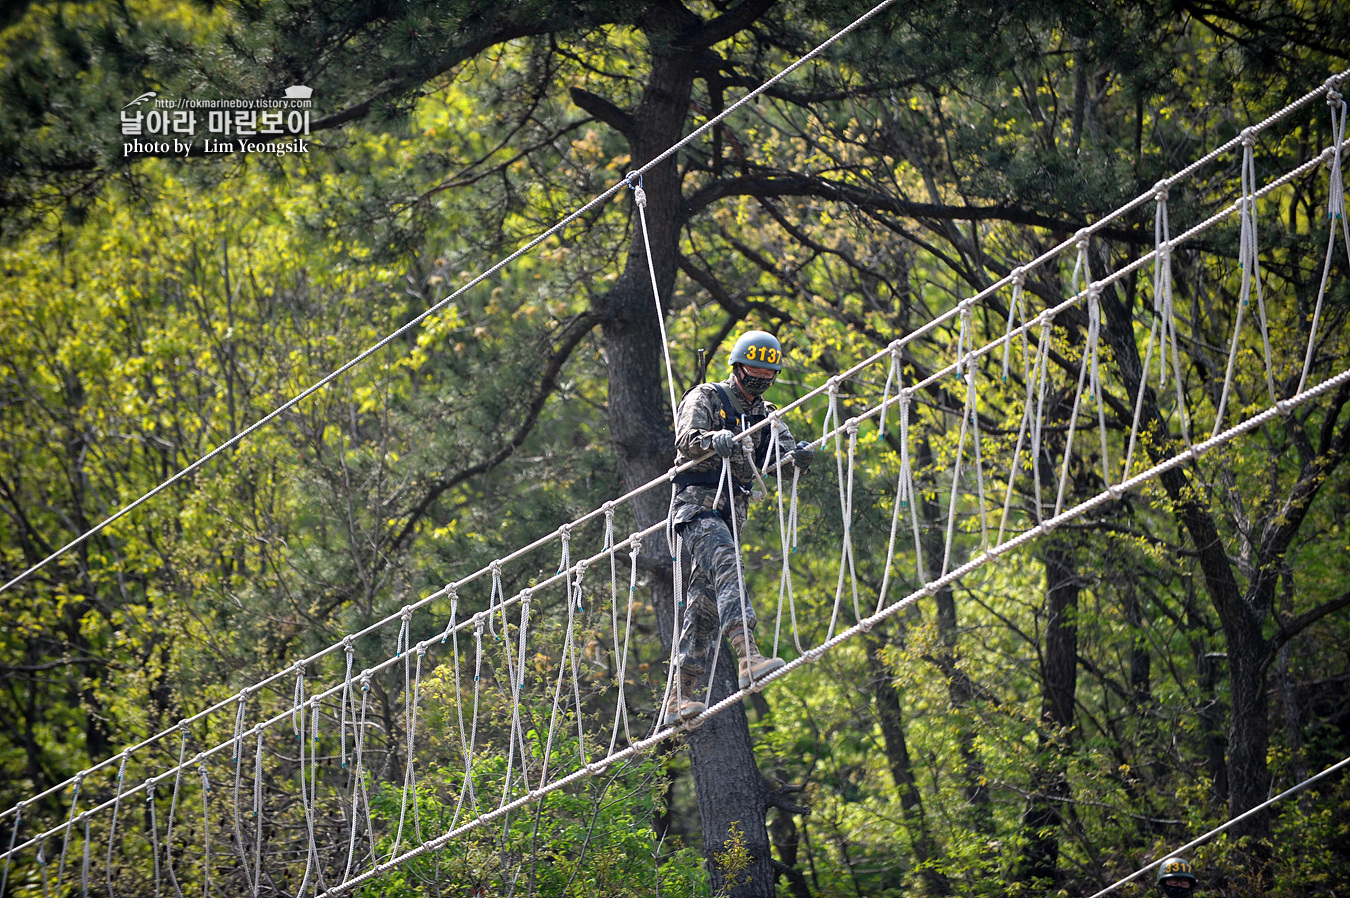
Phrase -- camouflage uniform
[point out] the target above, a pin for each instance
(713, 594)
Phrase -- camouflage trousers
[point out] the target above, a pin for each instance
(712, 602)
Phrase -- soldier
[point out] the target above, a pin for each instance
(1176, 878)
(710, 418)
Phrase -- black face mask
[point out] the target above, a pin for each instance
(755, 386)
(1177, 891)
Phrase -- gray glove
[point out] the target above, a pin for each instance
(803, 455)
(724, 443)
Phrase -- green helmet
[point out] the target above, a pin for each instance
(758, 349)
(1176, 868)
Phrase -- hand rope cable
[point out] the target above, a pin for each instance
(1197, 229)
(1335, 212)
(1205, 837)
(310, 800)
(971, 565)
(355, 795)
(1330, 84)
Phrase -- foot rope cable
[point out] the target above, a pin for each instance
(570, 572)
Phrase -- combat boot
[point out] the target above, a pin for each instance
(754, 666)
(682, 704)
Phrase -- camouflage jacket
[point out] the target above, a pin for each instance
(702, 413)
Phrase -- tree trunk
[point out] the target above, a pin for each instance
(1059, 680)
(891, 714)
(731, 792)
(1249, 729)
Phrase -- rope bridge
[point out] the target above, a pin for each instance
(532, 698)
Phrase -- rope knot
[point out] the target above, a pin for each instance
(525, 599)
(347, 645)
(636, 540)
(851, 426)
(1160, 190)
(833, 384)
(406, 614)
(452, 593)
(1046, 318)
(364, 680)
(495, 566)
(608, 509)
(478, 623)
(183, 726)
(245, 693)
(1019, 276)
(1249, 137)
(421, 648)
(1081, 238)
(79, 778)
(1334, 98)
(150, 786)
(314, 703)
(966, 306)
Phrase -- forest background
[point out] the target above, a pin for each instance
(1047, 725)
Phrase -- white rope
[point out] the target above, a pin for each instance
(65, 838)
(257, 814)
(238, 760)
(13, 837)
(1335, 213)
(112, 830)
(173, 807)
(154, 835)
(634, 180)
